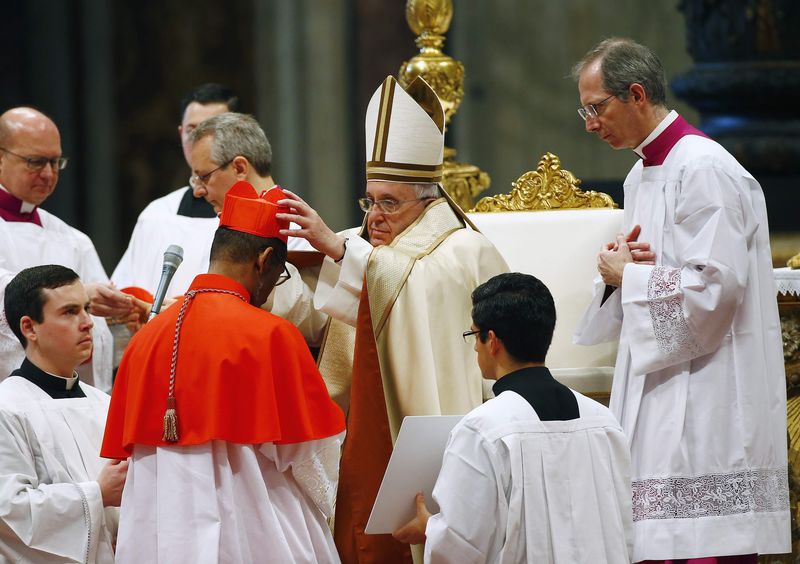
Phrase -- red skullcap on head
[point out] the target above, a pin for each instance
(244, 210)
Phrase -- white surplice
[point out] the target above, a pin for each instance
(233, 503)
(23, 245)
(699, 380)
(515, 489)
(51, 508)
(158, 227)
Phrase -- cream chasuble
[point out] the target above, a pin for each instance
(699, 386)
(419, 291)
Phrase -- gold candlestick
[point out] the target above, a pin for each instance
(430, 20)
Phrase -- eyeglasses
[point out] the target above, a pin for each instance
(467, 334)
(387, 207)
(284, 277)
(197, 180)
(38, 163)
(589, 111)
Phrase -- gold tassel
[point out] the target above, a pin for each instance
(170, 422)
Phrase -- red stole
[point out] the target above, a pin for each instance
(365, 456)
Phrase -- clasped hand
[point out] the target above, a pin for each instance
(614, 256)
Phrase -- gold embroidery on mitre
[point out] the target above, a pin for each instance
(423, 94)
(384, 119)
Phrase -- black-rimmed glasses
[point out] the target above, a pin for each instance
(38, 163)
(467, 334)
(589, 111)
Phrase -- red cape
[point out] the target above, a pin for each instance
(243, 375)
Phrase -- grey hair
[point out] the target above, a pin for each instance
(236, 134)
(624, 62)
(427, 190)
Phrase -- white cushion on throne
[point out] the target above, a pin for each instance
(560, 248)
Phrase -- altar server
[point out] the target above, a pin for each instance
(58, 498)
(538, 474)
(182, 217)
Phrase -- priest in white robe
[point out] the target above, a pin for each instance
(30, 161)
(58, 498)
(699, 381)
(546, 468)
(398, 290)
(182, 217)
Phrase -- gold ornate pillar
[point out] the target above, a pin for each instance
(430, 20)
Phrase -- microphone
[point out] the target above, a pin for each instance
(173, 257)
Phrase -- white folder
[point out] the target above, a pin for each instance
(413, 467)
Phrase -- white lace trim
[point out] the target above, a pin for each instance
(666, 310)
(319, 476)
(787, 281)
(748, 491)
(87, 520)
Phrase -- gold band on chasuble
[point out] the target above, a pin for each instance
(387, 276)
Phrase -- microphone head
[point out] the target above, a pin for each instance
(173, 256)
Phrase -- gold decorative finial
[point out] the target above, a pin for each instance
(549, 187)
(430, 20)
(429, 16)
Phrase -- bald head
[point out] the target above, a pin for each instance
(23, 119)
(26, 137)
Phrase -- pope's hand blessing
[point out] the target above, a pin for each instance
(311, 226)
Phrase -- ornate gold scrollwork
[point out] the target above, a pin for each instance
(549, 187)
(794, 262)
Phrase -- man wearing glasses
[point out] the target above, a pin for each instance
(30, 162)
(182, 217)
(232, 147)
(689, 292)
(403, 282)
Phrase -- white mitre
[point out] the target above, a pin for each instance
(405, 133)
